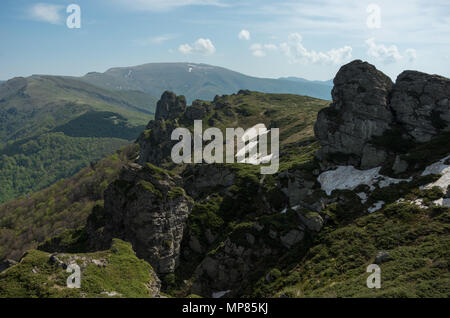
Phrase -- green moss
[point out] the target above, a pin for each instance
(157, 171)
(147, 186)
(205, 216)
(418, 242)
(176, 192)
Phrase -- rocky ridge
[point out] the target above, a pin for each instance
(367, 105)
(225, 230)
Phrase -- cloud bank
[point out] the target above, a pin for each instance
(389, 54)
(297, 53)
(164, 5)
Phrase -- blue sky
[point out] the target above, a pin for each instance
(309, 39)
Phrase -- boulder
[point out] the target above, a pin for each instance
(291, 238)
(421, 104)
(359, 112)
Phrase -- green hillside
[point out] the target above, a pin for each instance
(197, 81)
(52, 126)
(30, 220)
(233, 224)
(24, 224)
(116, 272)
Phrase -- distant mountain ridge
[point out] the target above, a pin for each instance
(52, 126)
(198, 81)
(304, 80)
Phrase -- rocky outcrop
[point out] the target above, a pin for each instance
(147, 207)
(4, 265)
(421, 103)
(155, 142)
(366, 104)
(198, 179)
(171, 112)
(170, 106)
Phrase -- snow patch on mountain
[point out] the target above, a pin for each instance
(348, 178)
(441, 168)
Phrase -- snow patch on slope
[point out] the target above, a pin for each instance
(376, 206)
(438, 168)
(348, 178)
(220, 294)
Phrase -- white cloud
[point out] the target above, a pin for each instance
(185, 48)
(271, 47)
(164, 5)
(244, 35)
(201, 46)
(46, 13)
(155, 40)
(296, 52)
(257, 50)
(162, 38)
(411, 54)
(389, 54)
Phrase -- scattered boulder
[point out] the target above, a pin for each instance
(291, 238)
(7, 264)
(382, 257)
(312, 220)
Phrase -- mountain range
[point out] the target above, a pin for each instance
(346, 200)
(198, 81)
(41, 111)
(303, 80)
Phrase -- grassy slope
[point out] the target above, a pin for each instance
(30, 220)
(123, 276)
(38, 104)
(35, 111)
(331, 264)
(294, 115)
(417, 240)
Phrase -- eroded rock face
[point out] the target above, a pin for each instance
(202, 178)
(421, 103)
(170, 106)
(155, 142)
(359, 111)
(147, 207)
(366, 104)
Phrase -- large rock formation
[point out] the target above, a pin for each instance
(171, 112)
(170, 106)
(366, 104)
(421, 103)
(147, 207)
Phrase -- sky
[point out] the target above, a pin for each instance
(309, 39)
